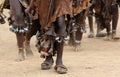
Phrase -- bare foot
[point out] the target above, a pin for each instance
(101, 34)
(91, 35)
(28, 50)
(77, 47)
(61, 69)
(20, 57)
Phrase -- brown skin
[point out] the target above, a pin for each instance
(31, 32)
(31, 6)
(115, 20)
(22, 38)
(90, 19)
(23, 41)
(104, 21)
(2, 21)
(60, 30)
(20, 41)
(97, 7)
(18, 15)
(80, 19)
(110, 14)
(59, 26)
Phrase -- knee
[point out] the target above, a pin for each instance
(61, 22)
(60, 27)
(18, 16)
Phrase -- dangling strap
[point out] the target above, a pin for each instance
(24, 3)
(2, 4)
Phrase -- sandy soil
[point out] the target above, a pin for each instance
(96, 58)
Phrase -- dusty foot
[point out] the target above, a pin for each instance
(77, 47)
(114, 37)
(108, 38)
(28, 50)
(101, 34)
(20, 57)
(47, 64)
(61, 69)
(2, 21)
(91, 35)
(66, 42)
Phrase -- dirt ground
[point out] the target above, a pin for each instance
(96, 58)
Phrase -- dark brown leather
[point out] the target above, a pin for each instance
(61, 7)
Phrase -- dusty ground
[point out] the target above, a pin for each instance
(96, 58)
